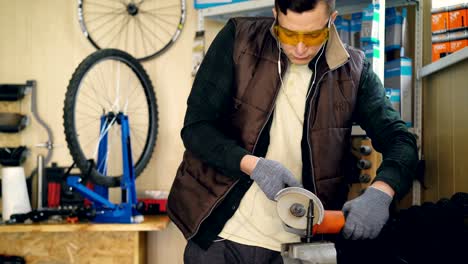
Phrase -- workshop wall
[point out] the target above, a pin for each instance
(445, 132)
(42, 40)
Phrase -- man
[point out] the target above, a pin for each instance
(272, 106)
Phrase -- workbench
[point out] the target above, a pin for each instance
(80, 242)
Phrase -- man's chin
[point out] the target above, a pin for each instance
(299, 61)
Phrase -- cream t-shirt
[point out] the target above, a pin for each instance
(256, 222)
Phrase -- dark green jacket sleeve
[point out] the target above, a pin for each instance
(388, 133)
(209, 101)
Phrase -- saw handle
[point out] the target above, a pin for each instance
(333, 222)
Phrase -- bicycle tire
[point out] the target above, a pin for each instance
(141, 15)
(69, 115)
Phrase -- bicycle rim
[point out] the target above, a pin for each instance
(142, 28)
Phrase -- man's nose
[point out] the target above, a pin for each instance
(301, 47)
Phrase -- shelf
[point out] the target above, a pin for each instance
(264, 8)
(14, 92)
(151, 223)
(443, 63)
(12, 122)
(13, 156)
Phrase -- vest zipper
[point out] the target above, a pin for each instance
(269, 114)
(308, 132)
(237, 181)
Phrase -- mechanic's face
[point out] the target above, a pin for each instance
(302, 34)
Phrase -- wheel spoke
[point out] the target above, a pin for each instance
(110, 29)
(142, 36)
(164, 7)
(103, 15)
(152, 33)
(100, 5)
(124, 22)
(86, 125)
(155, 19)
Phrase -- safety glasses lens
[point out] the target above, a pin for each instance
(313, 38)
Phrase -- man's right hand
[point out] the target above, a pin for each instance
(272, 177)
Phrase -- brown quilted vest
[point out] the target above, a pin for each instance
(198, 188)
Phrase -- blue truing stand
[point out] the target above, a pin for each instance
(106, 211)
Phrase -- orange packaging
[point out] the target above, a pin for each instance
(458, 40)
(440, 17)
(457, 17)
(458, 45)
(440, 46)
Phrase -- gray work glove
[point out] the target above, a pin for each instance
(366, 214)
(271, 177)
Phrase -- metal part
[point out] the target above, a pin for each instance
(418, 61)
(364, 164)
(297, 210)
(365, 150)
(40, 176)
(309, 253)
(443, 63)
(364, 178)
(310, 221)
(295, 196)
(50, 136)
(291, 204)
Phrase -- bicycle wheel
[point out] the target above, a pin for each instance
(107, 83)
(143, 28)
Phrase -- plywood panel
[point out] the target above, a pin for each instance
(71, 248)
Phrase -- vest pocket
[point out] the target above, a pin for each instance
(331, 148)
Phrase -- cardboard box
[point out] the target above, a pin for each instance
(393, 29)
(440, 46)
(398, 75)
(457, 17)
(440, 20)
(394, 96)
(199, 4)
(458, 40)
(370, 24)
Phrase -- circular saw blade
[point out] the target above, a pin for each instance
(296, 195)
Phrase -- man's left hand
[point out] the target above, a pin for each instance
(366, 214)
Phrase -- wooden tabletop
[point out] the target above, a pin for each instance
(151, 223)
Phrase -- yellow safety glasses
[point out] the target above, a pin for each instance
(311, 38)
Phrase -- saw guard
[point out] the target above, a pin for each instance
(287, 197)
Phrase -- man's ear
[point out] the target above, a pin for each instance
(275, 15)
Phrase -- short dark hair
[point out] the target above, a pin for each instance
(300, 6)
